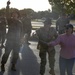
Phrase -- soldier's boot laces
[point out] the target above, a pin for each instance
(52, 72)
(13, 68)
(2, 67)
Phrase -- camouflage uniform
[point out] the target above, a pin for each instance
(61, 23)
(27, 27)
(46, 36)
(2, 30)
(14, 37)
(13, 40)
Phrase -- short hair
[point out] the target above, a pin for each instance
(69, 26)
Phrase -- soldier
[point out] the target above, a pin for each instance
(61, 23)
(13, 39)
(2, 29)
(45, 35)
(27, 27)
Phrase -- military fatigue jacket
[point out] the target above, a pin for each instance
(61, 23)
(14, 29)
(2, 24)
(46, 36)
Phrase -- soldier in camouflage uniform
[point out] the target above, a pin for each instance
(61, 23)
(27, 27)
(13, 39)
(45, 35)
(2, 29)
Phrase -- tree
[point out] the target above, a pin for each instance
(29, 12)
(2, 11)
(67, 6)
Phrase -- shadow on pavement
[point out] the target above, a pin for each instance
(27, 63)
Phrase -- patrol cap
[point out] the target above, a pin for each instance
(69, 26)
(47, 21)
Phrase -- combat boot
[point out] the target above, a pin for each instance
(13, 68)
(2, 67)
(28, 43)
(2, 46)
(41, 74)
(52, 72)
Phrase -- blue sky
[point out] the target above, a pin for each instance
(36, 5)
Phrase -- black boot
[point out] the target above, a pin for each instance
(2, 46)
(2, 67)
(52, 72)
(13, 68)
(41, 73)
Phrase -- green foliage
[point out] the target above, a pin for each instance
(67, 6)
(25, 12)
(31, 13)
(2, 11)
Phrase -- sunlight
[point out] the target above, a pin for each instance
(20, 53)
(20, 56)
(36, 5)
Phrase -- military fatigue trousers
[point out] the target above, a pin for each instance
(51, 58)
(2, 36)
(11, 45)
